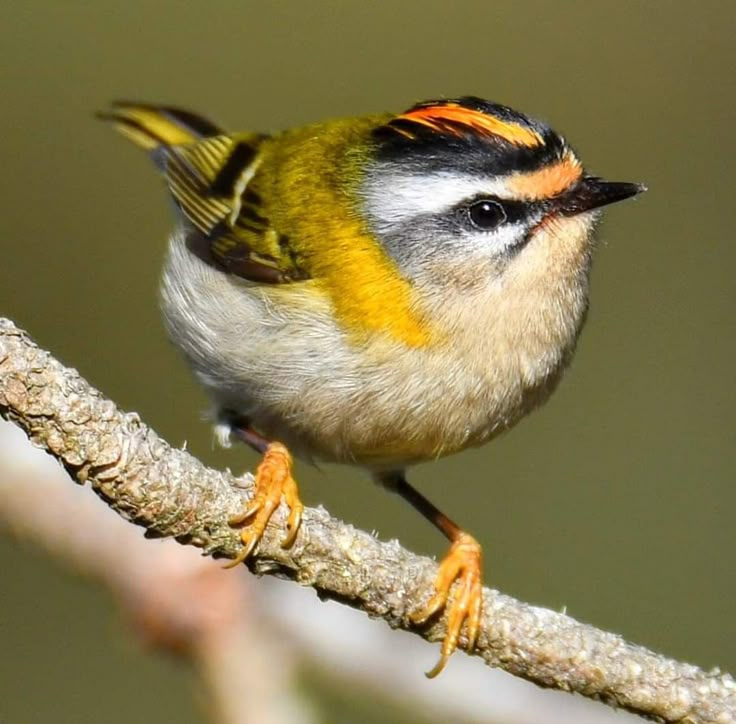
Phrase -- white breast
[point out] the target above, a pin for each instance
(273, 354)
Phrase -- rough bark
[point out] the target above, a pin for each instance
(171, 493)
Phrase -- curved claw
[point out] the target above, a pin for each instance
(295, 517)
(273, 481)
(253, 507)
(462, 563)
(249, 543)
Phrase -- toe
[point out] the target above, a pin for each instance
(273, 481)
(462, 564)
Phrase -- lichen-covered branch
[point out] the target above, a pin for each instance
(171, 493)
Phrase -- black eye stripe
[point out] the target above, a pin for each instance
(517, 211)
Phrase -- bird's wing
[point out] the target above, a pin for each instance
(212, 182)
(211, 175)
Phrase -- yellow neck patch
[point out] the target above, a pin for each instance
(367, 291)
(320, 168)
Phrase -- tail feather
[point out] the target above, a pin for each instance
(150, 126)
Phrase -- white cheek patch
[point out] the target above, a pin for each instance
(394, 198)
(486, 244)
(505, 237)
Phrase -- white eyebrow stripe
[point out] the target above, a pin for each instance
(400, 196)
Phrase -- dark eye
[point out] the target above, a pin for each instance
(486, 215)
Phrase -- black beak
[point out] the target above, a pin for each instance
(592, 193)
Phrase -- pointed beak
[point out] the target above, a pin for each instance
(592, 193)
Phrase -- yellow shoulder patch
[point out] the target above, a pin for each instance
(368, 293)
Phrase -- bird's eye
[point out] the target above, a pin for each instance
(486, 215)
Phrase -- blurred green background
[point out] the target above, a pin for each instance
(616, 501)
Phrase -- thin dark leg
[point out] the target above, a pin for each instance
(397, 483)
(240, 428)
(462, 564)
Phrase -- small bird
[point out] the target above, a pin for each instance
(377, 291)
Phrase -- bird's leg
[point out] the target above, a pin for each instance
(273, 480)
(463, 563)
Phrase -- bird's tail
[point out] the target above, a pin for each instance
(150, 126)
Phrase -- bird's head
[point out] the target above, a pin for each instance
(458, 189)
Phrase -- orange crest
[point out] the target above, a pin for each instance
(452, 117)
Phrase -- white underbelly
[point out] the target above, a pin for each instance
(275, 356)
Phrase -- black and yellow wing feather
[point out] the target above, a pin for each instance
(209, 174)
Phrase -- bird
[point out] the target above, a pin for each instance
(378, 291)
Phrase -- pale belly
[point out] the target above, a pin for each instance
(281, 363)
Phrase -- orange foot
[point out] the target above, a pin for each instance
(463, 563)
(273, 480)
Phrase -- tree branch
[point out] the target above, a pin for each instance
(171, 493)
